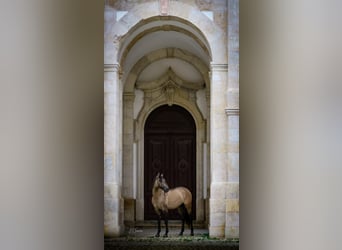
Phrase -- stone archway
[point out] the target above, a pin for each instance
(154, 97)
(186, 86)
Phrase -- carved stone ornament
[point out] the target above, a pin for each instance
(204, 4)
(164, 80)
(164, 7)
(116, 41)
(170, 93)
(169, 86)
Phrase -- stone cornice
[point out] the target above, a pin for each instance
(232, 111)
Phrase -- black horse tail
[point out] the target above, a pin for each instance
(185, 214)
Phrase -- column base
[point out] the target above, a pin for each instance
(115, 231)
(217, 232)
(232, 232)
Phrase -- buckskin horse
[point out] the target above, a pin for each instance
(165, 199)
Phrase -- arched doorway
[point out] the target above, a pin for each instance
(170, 148)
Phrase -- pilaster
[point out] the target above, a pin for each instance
(128, 157)
(232, 112)
(232, 189)
(113, 203)
(218, 150)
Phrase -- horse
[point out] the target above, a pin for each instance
(164, 198)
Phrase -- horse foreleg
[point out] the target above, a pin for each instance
(158, 232)
(166, 224)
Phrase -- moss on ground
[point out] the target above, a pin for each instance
(197, 238)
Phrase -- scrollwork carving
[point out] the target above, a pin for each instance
(170, 93)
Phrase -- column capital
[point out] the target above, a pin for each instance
(128, 96)
(111, 67)
(219, 67)
(115, 67)
(232, 111)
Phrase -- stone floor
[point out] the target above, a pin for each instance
(141, 232)
(143, 239)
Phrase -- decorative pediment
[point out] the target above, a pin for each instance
(169, 87)
(165, 79)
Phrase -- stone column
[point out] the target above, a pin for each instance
(113, 204)
(218, 150)
(128, 156)
(232, 191)
(232, 111)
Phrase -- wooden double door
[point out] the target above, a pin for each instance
(170, 148)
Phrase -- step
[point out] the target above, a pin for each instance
(171, 223)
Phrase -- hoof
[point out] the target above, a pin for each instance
(165, 236)
(157, 235)
(192, 234)
(180, 234)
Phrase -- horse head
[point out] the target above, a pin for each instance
(161, 183)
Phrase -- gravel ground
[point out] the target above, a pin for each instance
(143, 239)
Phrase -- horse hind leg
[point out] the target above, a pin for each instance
(182, 212)
(191, 227)
(188, 218)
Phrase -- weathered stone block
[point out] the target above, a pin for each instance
(231, 232)
(219, 175)
(109, 137)
(232, 191)
(129, 210)
(232, 205)
(109, 121)
(233, 96)
(232, 219)
(233, 167)
(233, 135)
(109, 99)
(217, 206)
(108, 175)
(111, 191)
(218, 190)
(233, 122)
(217, 219)
(140, 212)
(111, 212)
(216, 231)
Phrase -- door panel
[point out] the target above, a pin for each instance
(170, 142)
(183, 161)
(156, 160)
